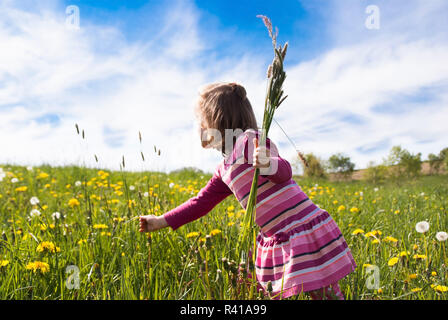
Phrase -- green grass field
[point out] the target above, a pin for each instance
(97, 233)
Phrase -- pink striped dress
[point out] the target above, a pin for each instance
(299, 243)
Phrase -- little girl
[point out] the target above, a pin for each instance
(299, 243)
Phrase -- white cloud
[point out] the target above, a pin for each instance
(113, 89)
(362, 72)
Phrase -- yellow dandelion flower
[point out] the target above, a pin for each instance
(373, 233)
(82, 241)
(43, 175)
(354, 210)
(393, 261)
(100, 226)
(440, 288)
(433, 273)
(231, 223)
(43, 267)
(357, 231)
(47, 246)
(419, 256)
(21, 189)
(341, 208)
(192, 234)
(416, 289)
(412, 276)
(73, 202)
(390, 239)
(404, 253)
(215, 232)
(3, 263)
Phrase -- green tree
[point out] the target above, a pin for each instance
(403, 163)
(375, 173)
(435, 162)
(315, 168)
(443, 155)
(340, 165)
(412, 164)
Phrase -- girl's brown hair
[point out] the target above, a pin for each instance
(224, 105)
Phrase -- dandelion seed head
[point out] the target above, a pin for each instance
(34, 213)
(422, 226)
(441, 236)
(34, 201)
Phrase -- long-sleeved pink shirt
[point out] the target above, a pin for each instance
(216, 191)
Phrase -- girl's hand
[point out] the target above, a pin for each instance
(261, 157)
(151, 223)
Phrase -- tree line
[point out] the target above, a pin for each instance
(400, 163)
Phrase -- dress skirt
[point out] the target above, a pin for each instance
(309, 254)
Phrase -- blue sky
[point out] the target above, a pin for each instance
(137, 65)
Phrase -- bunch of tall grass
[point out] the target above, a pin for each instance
(274, 98)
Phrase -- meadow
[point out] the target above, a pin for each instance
(72, 233)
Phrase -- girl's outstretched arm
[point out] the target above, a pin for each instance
(207, 198)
